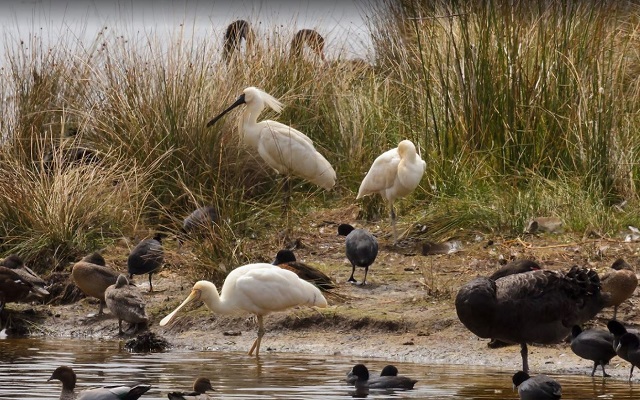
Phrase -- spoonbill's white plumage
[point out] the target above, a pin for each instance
(283, 148)
(394, 174)
(258, 289)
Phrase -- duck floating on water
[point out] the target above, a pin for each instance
(200, 387)
(67, 376)
(539, 387)
(388, 379)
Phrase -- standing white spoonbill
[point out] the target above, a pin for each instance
(394, 174)
(283, 148)
(258, 289)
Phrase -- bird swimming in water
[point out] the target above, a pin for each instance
(533, 307)
(67, 376)
(125, 302)
(200, 387)
(146, 258)
(259, 289)
(394, 174)
(539, 387)
(361, 248)
(388, 379)
(593, 344)
(287, 260)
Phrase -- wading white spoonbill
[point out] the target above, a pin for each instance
(394, 174)
(283, 148)
(258, 289)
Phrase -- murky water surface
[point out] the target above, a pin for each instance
(26, 364)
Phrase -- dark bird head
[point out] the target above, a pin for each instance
(616, 327)
(361, 372)
(13, 261)
(241, 100)
(202, 385)
(620, 264)
(389, 370)
(95, 258)
(345, 229)
(66, 376)
(575, 331)
(284, 256)
(519, 377)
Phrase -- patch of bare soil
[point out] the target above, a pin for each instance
(405, 312)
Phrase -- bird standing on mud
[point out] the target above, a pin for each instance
(394, 174)
(93, 277)
(125, 302)
(620, 282)
(532, 307)
(287, 260)
(258, 289)
(361, 248)
(593, 344)
(146, 258)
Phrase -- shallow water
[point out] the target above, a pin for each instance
(26, 364)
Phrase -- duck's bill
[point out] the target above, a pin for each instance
(193, 296)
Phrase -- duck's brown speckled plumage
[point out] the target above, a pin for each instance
(531, 307)
(93, 277)
(620, 281)
(126, 303)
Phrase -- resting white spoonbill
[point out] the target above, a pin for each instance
(394, 174)
(258, 289)
(283, 148)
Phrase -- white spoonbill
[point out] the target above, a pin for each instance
(282, 147)
(258, 289)
(394, 174)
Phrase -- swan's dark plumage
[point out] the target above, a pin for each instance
(533, 307)
(593, 344)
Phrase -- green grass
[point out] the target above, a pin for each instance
(519, 111)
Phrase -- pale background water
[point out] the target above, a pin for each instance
(341, 22)
(26, 364)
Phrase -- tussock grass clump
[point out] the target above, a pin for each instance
(519, 110)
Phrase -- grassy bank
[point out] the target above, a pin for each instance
(519, 111)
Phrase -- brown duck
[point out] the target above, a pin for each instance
(125, 302)
(534, 307)
(287, 260)
(93, 277)
(14, 288)
(620, 281)
(15, 263)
